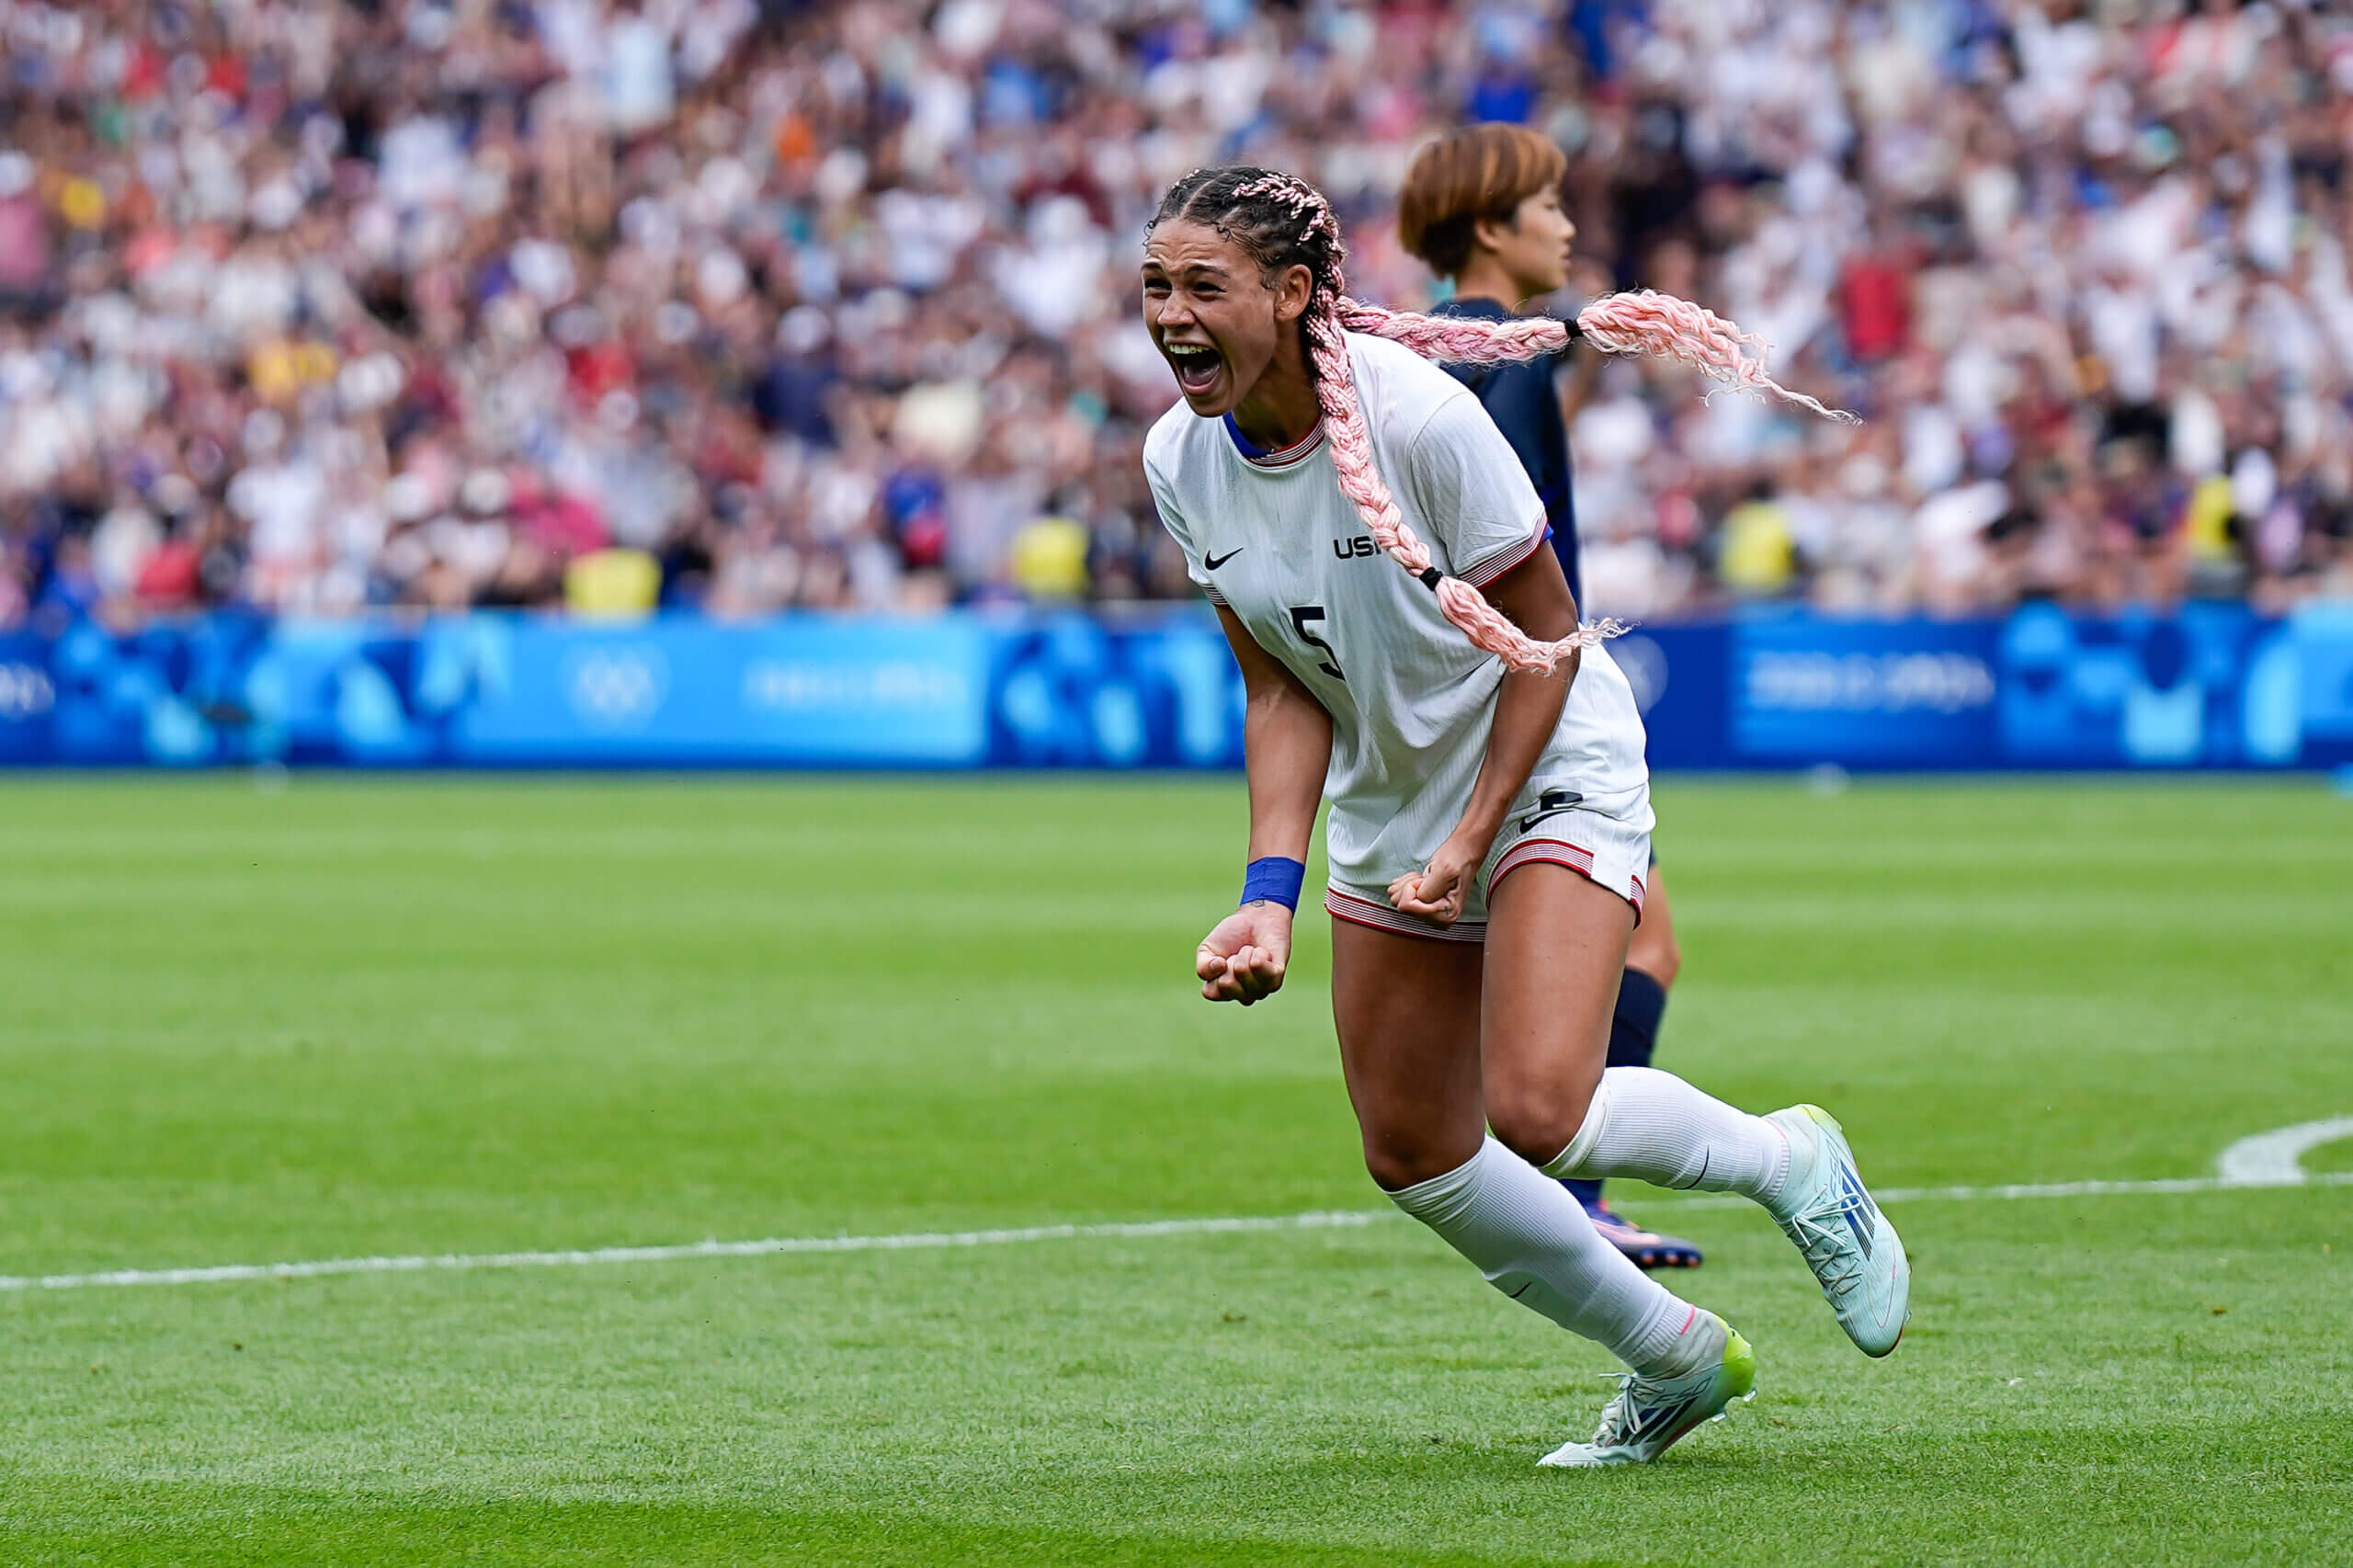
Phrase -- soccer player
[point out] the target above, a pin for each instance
(1482, 207)
(1489, 810)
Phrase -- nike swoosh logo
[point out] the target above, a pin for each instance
(1552, 803)
(1214, 561)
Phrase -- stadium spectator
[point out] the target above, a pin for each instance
(324, 309)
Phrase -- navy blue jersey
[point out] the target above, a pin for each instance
(1522, 401)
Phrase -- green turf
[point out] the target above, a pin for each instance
(361, 1018)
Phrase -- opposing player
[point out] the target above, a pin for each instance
(1482, 207)
(1490, 812)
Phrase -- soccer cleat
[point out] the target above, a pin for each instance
(1644, 1249)
(1848, 1243)
(1646, 1415)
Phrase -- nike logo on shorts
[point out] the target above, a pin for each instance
(1551, 803)
(1214, 562)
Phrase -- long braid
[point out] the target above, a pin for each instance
(1302, 230)
(1458, 340)
(1644, 321)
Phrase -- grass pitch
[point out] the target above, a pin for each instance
(352, 1018)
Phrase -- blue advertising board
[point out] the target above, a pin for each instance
(787, 693)
(1893, 694)
(2205, 685)
(503, 691)
(2210, 685)
(2311, 721)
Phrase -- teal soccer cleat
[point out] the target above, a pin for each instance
(1647, 1416)
(1847, 1242)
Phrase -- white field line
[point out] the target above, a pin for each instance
(916, 1241)
(2277, 1155)
(2061, 1189)
(911, 1240)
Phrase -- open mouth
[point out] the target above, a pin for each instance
(1197, 366)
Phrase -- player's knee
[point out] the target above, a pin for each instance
(1538, 1123)
(1397, 1159)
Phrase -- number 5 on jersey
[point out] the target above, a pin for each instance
(1300, 616)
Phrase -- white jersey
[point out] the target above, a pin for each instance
(1411, 698)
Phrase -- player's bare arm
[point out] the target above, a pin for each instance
(1535, 598)
(1288, 739)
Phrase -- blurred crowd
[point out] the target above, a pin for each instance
(749, 304)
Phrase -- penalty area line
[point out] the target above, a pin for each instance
(926, 1241)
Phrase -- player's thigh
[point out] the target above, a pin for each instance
(1556, 946)
(1653, 949)
(1407, 1012)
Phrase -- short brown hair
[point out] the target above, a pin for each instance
(1479, 171)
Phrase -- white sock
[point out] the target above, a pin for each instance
(1534, 1243)
(1653, 1126)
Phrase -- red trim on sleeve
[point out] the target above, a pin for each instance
(1487, 571)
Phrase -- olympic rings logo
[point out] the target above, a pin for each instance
(617, 688)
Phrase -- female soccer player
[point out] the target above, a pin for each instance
(1490, 811)
(1480, 207)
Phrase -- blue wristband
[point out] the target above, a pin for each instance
(1277, 878)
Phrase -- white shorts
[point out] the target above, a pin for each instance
(1609, 850)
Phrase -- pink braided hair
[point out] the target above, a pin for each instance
(1617, 324)
(1643, 322)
